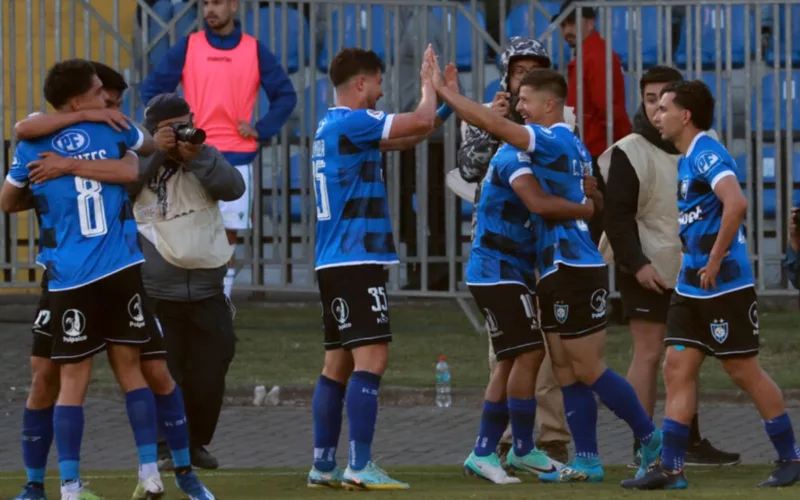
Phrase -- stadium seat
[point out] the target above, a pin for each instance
(293, 25)
(463, 36)
(518, 23)
(768, 98)
(769, 55)
(491, 89)
(623, 21)
(353, 19)
(708, 50)
(321, 90)
(721, 100)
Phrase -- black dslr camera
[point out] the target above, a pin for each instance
(185, 132)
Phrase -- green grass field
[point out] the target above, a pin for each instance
(282, 345)
(437, 483)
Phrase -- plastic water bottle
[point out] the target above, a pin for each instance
(443, 398)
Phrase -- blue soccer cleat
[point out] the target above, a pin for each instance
(319, 479)
(658, 479)
(649, 455)
(190, 485)
(579, 470)
(32, 491)
(787, 473)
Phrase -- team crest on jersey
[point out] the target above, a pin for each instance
(684, 188)
(561, 311)
(707, 160)
(491, 323)
(378, 115)
(73, 323)
(341, 312)
(719, 330)
(70, 142)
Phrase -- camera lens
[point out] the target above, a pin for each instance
(192, 135)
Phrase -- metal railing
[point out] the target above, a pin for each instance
(430, 224)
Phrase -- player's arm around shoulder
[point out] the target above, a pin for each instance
(222, 180)
(526, 186)
(15, 195)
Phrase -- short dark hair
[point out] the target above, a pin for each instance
(659, 74)
(111, 78)
(68, 79)
(546, 79)
(353, 61)
(695, 97)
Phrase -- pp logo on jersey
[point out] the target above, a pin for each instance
(70, 142)
(684, 189)
(719, 330)
(707, 160)
(341, 312)
(491, 324)
(753, 313)
(135, 311)
(73, 323)
(561, 311)
(378, 115)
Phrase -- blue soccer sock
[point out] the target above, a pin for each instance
(580, 408)
(37, 436)
(68, 430)
(618, 395)
(523, 417)
(362, 413)
(674, 442)
(782, 436)
(327, 405)
(494, 421)
(141, 406)
(172, 421)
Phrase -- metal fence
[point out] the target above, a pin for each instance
(750, 71)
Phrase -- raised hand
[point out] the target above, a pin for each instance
(451, 77)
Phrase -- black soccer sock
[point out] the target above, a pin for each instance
(694, 432)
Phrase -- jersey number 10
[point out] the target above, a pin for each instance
(91, 212)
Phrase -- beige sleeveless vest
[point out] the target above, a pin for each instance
(657, 214)
(190, 235)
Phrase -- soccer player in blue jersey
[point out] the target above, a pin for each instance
(714, 309)
(38, 414)
(573, 280)
(500, 275)
(353, 246)
(88, 246)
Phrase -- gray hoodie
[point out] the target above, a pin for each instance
(161, 279)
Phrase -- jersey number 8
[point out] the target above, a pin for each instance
(91, 212)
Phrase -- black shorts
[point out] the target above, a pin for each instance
(355, 309)
(725, 326)
(573, 300)
(640, 303)
(42, 346)
(510, 312)
(108, 310)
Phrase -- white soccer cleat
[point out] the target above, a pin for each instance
(488, 468)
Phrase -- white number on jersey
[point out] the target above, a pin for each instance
(321, 192)
(90, 203)
(379, 294)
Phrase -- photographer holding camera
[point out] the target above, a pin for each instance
(792, 263)
(186, 252)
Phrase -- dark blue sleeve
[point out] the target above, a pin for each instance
(18, 173)
(280, 92)
(367, 127)
(166, 76)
